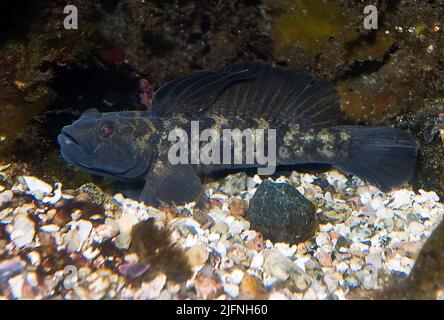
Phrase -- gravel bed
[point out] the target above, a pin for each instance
(75, 245)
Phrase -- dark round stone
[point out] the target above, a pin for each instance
(281, 213)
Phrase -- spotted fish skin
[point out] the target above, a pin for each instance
(293, 145)
(134, 146)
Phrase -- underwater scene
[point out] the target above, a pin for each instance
(221, 150)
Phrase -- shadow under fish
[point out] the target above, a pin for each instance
(133, 146)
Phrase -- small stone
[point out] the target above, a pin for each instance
(152, 289)
(251, 287)
(78, 234)
(61, 218)
(235, 276)
(16, 286)
(277, 296)
(10, 268)
(34, 258)
(208, 286)
(219, 228)
(122, 241)
(322, 239)
(300, 262)
(54, 198)
(374, 259)
(133, 270)
(231, 289)
(37, 187)
(281, 213)
(415, 230)
(126, 223)
(6, 198)
(285, 249)
(237, 226)
(301, 282)
(234, 183)
(427, 196)
(103, 232)
(99, 286)
(237, 207)
(84, 228)
(376, 203)
(384, 213)
(335, 213)
(23, 231)
(401, 198)
(197, 256)
(257, 261)
(279, 266)
(342, 267)
(50, 228)
(337, 179)
(342, 242)
(359, 247)
(204, 220)
(324, 259)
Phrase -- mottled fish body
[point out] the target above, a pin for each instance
(304, 113)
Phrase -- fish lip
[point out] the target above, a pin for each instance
(67, 137)
(71, 150)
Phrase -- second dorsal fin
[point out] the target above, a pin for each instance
(252, 90)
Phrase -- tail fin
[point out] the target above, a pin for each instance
(382, 156)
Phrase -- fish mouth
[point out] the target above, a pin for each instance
(72, 150)
(64, 138)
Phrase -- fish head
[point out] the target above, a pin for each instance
(120, 145)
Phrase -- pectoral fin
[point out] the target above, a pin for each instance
(171, 185)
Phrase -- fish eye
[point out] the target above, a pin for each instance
(107, 129)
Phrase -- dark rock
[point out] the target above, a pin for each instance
(342, 243)
(281, 213)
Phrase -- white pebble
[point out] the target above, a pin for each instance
(384, 213)
(231, 289)
(5, 197)
(257, 261)
(152, 289)
(358, 246)
(401, 198)
(376, 203)
(322, 239)
(427, 196)
(415, 230)
(50, 228)
(275, 295)
(342, 267)
(300, 262)
(37, 187)
(23, 231)
(236, 276)
(285, 248)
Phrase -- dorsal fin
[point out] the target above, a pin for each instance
(252, 90)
